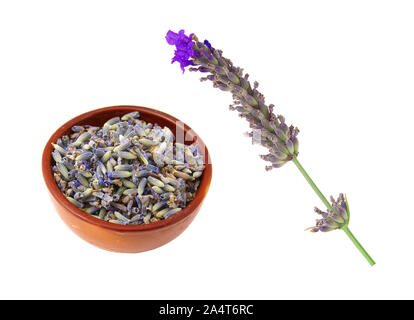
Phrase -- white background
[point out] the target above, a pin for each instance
(342, 71)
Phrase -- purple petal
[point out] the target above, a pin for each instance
(184, 47)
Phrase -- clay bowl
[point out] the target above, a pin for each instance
(115, 237)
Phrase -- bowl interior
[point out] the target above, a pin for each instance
(97, 118)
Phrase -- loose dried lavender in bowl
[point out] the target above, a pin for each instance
(128, 171)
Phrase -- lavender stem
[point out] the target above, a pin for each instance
(329, 206)
(358, 245)
(312, 184)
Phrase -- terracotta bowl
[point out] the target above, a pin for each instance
(115, 237)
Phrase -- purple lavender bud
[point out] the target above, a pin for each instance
(342, 212)
(99, 152)
(119, 174)
(290, 146)
(203, 69)
(323, 228)
(208, 45)
(209, 57)
(295, 144)
(56, 156)
(283, 126)
(119, 206)
(82, 179)
(63, 170)
(274, 159)
(84, 156)
(232, 77)
(219, 70)
(58, 148)
(75, 202)
(77, 128)
(278, 154)
(222, 87)
(245, 84)
(123, 146)
(279, 132)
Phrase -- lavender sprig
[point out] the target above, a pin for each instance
(268, 129)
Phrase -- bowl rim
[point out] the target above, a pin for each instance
(58, 196)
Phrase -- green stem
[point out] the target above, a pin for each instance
(329, 206)
(358, 245)
(312, 184)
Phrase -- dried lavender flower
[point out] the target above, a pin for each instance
(118, 173)
(268, 129)
(334, 218)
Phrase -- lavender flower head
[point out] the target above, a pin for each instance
(334, 218)
(268, 129)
